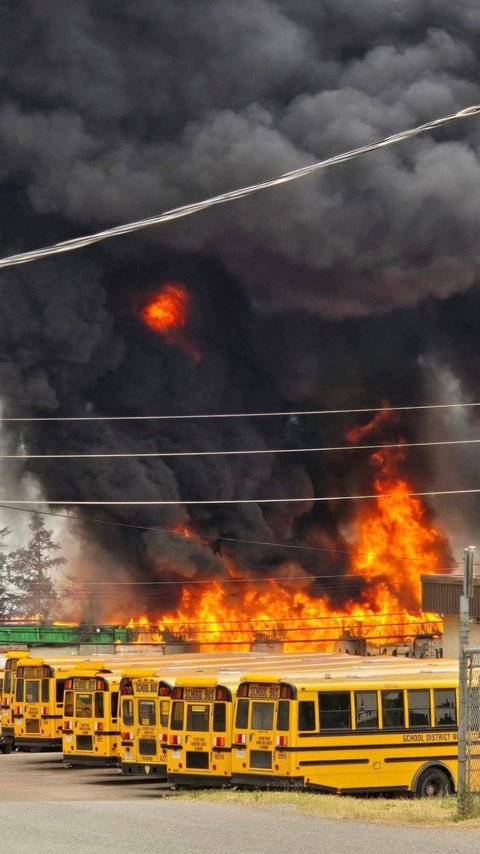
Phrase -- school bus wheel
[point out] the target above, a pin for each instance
(433, 782)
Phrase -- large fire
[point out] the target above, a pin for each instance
(166, 313)
(393, 542)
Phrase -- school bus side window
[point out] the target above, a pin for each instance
(366, 710)
(241, 719)
(335, 710)
(445, 710)
(283, 715)
(419, 708)
(19, 690)
(7, 684)
(177, 715)
(219, 717)
(306, 716)
(127, 712)
(68, 704)
(45, 690)
(393, 711)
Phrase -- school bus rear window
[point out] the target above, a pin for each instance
(241, 719)
(146, 712)
(262, 715)
(197, 718)
(219, 717)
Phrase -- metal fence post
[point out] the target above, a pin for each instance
(464, 613)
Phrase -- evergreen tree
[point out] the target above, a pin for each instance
(29, 571)
(7, 602)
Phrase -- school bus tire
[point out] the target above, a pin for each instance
(433, 782)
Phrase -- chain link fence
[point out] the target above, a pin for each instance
(472, 724)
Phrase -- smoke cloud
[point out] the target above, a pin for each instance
(331, 291)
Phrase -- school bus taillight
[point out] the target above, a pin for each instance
(128, 736)
(282, 741)
(68, 684)
(19, 710)
(164, 737)
(240, 738)
(175, 739)
(98, 726)
(44, 710)
(67, 725)
(164, 691)
(218, 741)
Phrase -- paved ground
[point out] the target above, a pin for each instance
(42, 777)
(85, 811)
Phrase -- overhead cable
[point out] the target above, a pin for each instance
(286, 413)
(243, 452)
(216, 538)
(177, 502)
(196, 207)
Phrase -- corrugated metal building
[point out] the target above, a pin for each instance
(441, 595)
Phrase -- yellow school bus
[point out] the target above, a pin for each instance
(38, 704)
(5, 745)
(383, 733)
(145, 705)
(8, 697)
(199, 738)
(91, 732)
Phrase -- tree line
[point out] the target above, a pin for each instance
(27, 591)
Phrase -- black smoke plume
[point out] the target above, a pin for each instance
(335, 291)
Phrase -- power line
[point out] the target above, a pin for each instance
(219, 538)
(235, 453)
(285, 413)
(196, 207)
(187, 502)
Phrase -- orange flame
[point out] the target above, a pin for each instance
(393, 542)
(168, 310)
(167, 314)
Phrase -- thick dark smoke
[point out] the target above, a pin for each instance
(333, 291)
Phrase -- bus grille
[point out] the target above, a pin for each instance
(32, 725)
(260, 759)
(84, 742)
(195, 759)
(147, 746)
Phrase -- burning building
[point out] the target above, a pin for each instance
(351, 290)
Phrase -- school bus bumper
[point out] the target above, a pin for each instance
(141, 769)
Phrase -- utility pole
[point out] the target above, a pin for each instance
(464, 613)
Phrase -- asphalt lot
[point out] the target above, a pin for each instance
(41, 777)
(48, 809)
